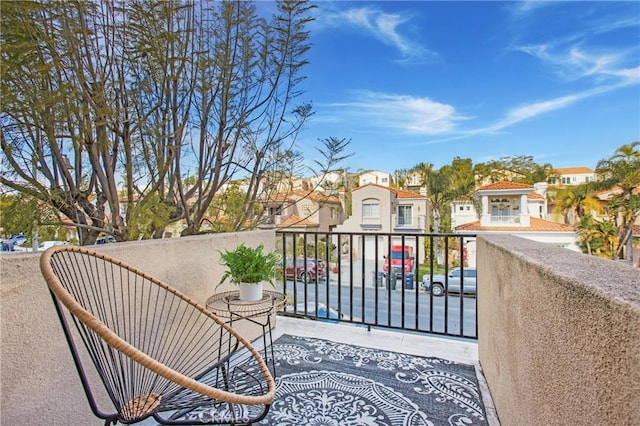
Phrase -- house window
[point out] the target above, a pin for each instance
(371, 209)
(275, 210)
(468, 208)
(566, 180)
(404, 215)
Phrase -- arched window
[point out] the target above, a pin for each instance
(371, 208)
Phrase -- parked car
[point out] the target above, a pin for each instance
(305, 269)
(105, 240)
(14, 242)
(46, 244)
(438, 283)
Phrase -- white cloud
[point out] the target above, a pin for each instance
(400, 112)
(383, 26)
(583, 52)
(527, 6)
(525, 112)
(630, 74)
(534, 109)
(575, 62)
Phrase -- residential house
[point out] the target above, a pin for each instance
(511, 208)
(305, 211)
(413, 183)
(563, 177)
(379, 210)
(572, 176)
(376, 177)
(328, 182)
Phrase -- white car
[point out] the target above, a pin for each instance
(46, 244)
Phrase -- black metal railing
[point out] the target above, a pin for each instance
(411, 282)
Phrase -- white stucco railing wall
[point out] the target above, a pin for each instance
(558, 334)
(39, 383)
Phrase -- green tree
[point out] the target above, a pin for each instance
(588, 234)
(446, 184)
(607, 236)
(21, 213)
(443, 186)
(520, 168)
(621, 175)
(95, 92)
(148, 216)
(574, 202)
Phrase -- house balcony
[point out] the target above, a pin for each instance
(554, 335)
(505, 220)
(409, 224)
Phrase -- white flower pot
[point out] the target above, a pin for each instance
(250, 292)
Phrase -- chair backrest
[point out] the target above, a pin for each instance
(147, 341)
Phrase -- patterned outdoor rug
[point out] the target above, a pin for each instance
(323, 383)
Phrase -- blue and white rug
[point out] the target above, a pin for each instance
(324, 383)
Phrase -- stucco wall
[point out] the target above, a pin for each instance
(559, 334)
(39, 382)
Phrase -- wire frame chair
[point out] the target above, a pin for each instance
(157, 353)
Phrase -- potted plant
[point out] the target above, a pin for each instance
(249, 268)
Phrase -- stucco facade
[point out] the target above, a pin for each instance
(377, 210)
(559, 334)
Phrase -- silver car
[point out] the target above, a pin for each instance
(451, 282)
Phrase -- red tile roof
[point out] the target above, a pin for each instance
(572, 170)
(535, 196)
(504, 185)
(537, 225)
(400, 193)
(317, 197)
(295, 221)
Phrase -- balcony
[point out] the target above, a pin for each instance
(409, 224)
(557, 332)
(503, 220)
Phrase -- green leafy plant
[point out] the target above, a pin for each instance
(249, 265)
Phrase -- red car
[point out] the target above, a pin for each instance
(305, 269)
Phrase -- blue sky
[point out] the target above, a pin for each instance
(425, 81)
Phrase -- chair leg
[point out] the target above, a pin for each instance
(111, 421)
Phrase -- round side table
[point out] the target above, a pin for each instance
(229, 307)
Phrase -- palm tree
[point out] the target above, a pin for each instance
(622, 172)
(574, 202)
(587, 232)
(627, 152)
(608, 231)
(439, 193)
